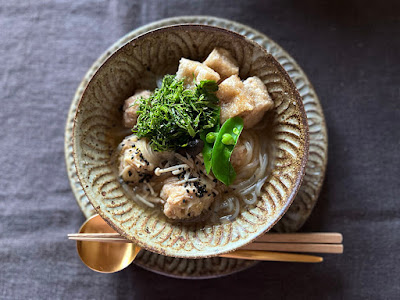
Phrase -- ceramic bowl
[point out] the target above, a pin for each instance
(98, 130)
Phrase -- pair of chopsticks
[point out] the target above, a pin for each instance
(323, 242)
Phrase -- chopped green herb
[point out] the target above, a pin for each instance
(173, 115)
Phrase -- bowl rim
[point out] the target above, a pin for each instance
(299, 103)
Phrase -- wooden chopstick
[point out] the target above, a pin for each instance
(100, 239)
(294, 242)
(272, 256)
(313, 237)
(97, 235)
(316, 238)
(286, 247)
(296, 247)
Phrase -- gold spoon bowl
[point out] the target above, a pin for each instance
(104, 257)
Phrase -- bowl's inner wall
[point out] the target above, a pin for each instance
(98, 129)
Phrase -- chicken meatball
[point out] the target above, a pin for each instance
(187, 199)
(131, 106)
(137, 159)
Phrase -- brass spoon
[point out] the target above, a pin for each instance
(110, 257)
(104, 257)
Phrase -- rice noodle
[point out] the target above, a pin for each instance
(259, 185)
(142, 199)
(150, 188)
(250, 200)
(185, 160)
(209, 176)
(234, 209)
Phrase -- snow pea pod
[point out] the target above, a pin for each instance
(208, 146)
(207, 151)
(224, 144)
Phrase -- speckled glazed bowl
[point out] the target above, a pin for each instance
(98, 126)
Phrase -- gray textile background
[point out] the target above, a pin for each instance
(351, 53)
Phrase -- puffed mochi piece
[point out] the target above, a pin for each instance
(221, 61)
(248, 99)
(190, 69)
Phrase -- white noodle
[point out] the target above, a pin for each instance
(244, 184)
(189, 162)
(142, 199)
(150, 188)
(259, 185)
(209, 176)
(250, 200)
(249, 151)
(124, 170)
(235, 213)
(237, 210)
(248, 189)
(230, 204)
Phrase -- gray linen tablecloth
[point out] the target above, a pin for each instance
(351, 53)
